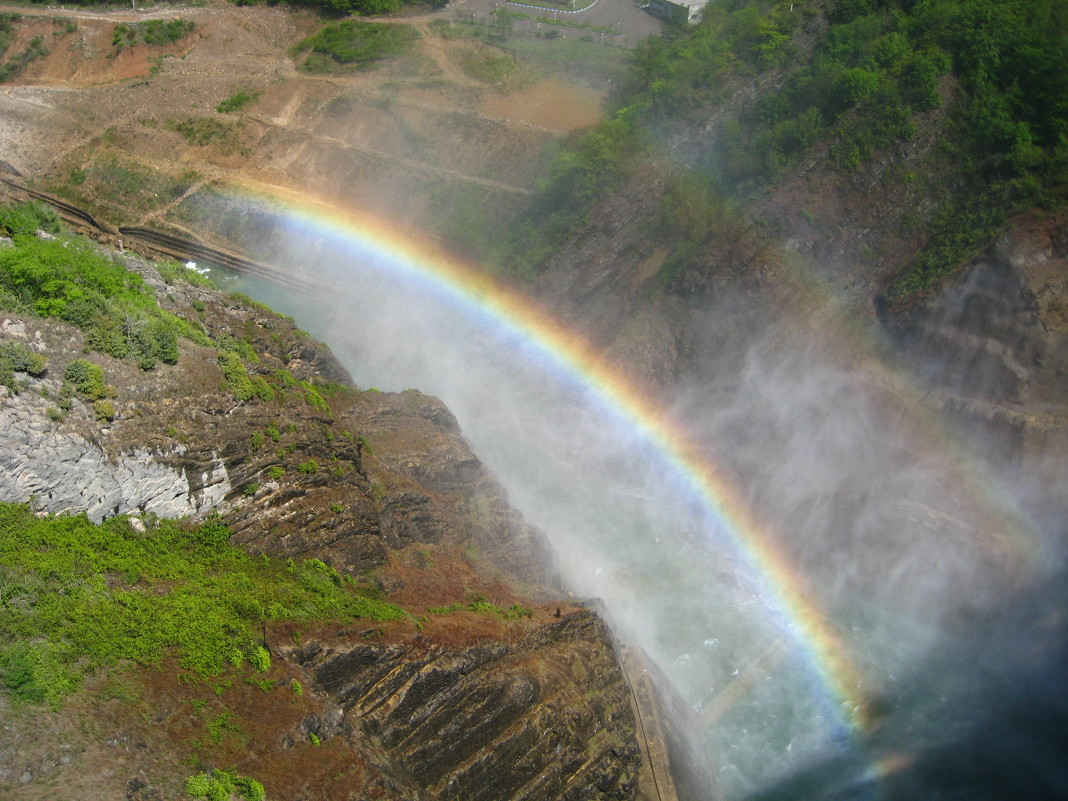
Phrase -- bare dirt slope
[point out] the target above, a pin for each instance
(432, 140)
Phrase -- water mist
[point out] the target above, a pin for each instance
(875, 522)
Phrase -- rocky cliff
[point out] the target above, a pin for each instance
(459, 701)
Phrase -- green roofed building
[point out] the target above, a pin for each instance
(681, 12)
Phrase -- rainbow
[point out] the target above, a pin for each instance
(582, 364)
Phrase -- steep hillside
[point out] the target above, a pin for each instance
(449, 135)
(862, 174)
(388, 626)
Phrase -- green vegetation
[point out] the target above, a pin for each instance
(123, 190)
(988, 74)
(260, 658)
(238, 100)
(153, 32)
(72, 281)
(204, 131)
(222, 785)
(487, 66)
(16, 64)
(284, 379)
(476, 602)
(236, 376)
(18, 357)
(77, 597)
(28, 218)
(104, 410)
(313, 398)
(579, 59)
(87, 379)
(7, 31)
(174, 271)
(352, 45)
(367, 8)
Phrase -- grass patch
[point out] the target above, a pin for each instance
(487, 65)
(238, 100)
(153, 32)
(174, 271)
(121, 190)
(14, 66)
(7, 31)
(236, 376)
(476, 602)
(17, 357)
(352, 45)
(77, 597)
(28, 218)
(204, 131)
(71, 281)
(223, 785)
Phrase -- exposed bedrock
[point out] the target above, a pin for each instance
(546, 717)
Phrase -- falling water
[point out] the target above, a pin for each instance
(869, 528)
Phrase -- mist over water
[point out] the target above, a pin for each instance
(901, 542)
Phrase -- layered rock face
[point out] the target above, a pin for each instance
(451, 717)
(451, 704)
(993, 344)
(991, 348)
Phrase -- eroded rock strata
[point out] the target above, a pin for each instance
(380, 486)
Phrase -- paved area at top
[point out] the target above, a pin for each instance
(626, 16)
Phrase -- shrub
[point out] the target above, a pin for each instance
(221, 785)
(28, 218)
(262, 390)
(275, 472)
(172, 271)
(314, 399)
(285, 378)
(162, 32)
(154, 32)
(76, 284)
(353, 44)
(18, 357)
(204, 131)
(87, 379)
(308, 467)
(236, 376)
(191, 598)
(198, 786)
(249, 789)
(238, 100)
(260, 658)
(104, 410)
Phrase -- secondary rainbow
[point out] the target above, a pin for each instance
(569, 353)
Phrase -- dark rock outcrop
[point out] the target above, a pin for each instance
(546, 717)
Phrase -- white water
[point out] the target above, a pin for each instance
(628, 532)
